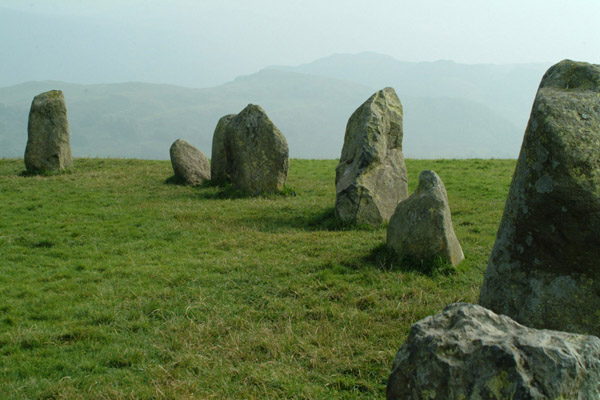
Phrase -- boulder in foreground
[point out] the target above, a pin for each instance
(468, 352)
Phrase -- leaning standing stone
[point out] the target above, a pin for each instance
(189, 164)
(370, 178)
(256, 152)
(219, 164)
(48, 144)
(544, 270)
(468, 352)
(421, 227)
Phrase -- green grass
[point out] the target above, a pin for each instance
(115, 284)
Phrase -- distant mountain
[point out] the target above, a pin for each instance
(142, 120)
(507, 89)
(450, 110)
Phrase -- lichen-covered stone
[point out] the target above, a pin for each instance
(469, 352)
(189, 164)
(256, 154)
(544, 270)
(48, 143)
(421, 227)
(218, 160)
(370, 178)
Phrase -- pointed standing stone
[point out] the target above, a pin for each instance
(544, 270)
(48, 143)
(189, 164)
(421, 227)
(370, 178)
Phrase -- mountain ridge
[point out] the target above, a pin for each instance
(141, 120)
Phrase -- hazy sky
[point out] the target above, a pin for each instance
(207, 42)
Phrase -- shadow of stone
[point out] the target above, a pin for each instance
(385, 259)
(174, 180)
(28, 174)
(211, 190)
(314, 220)
(219, 190)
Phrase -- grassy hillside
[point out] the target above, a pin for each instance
(115, 284)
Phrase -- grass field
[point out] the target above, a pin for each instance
(115, 284)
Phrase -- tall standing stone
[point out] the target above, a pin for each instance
(421, 227)
(370, 178)
(218, 160)
(48, 143)
(544, 270)
(189, 164)
(251, 152)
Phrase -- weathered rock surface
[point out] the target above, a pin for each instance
(218, 160)
(189, 164)
(48, 143)
(468, 352)
(544, 270)
(370, 178)
(252, 151)
(421, 227)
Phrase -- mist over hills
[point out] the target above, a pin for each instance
(450, 110)
(507, 89)
(141, 120)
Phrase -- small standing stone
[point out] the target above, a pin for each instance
(189, 164)
(370, 178)
(544, 270)
(421, 227)
(48, 143)
(218, 160)
(468, 352)
(251, 151)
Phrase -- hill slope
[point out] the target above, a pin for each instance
(507, 89)
(133, 288)
(142, 120)
(450, 110)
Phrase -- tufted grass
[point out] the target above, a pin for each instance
(115, 284)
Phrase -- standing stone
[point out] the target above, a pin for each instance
(252, 151)
(370, 179)
(544, 270)
(218, 160)
(189, 164)
(48, 144)
(421, 227)
(468, 352)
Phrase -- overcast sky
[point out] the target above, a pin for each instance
(208, 42)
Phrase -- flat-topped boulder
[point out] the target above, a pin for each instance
(251, 152)
(421, 227)
(544, 270)
(48, 142)
(370, 178)
(190, 165)
(469, 352)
